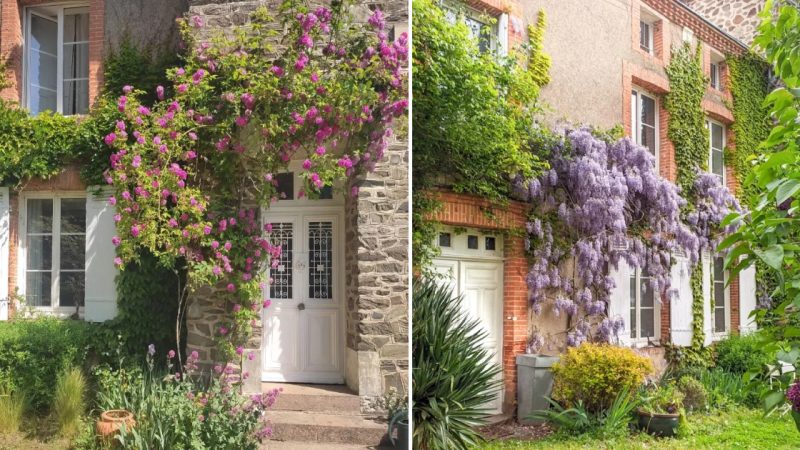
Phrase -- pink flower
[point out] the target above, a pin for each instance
(137, 161)
(305, 41)
(239, 350)
(251, 356)
(198, 76)
(207, 229)
(198, 21)
(171, 354)
(248, 100)
(307, 164)
(227, 245)
(112, 200)
(237, 307)
(231, 287)
(242, 121)
(216, 270)
(160, 92)
(266, 304)
(127, 89)
(135, 230)
(110, 138)
(117, 217)
(118, 261)
(278, 71)
(116, 240)
(301, 62)
(214, 244)
(321, 150)
(182, 88)
(143, 110)
(223, 331)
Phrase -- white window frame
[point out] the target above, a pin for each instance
(650, 37)
(31, 10)
(296, 167)
(713, 75)
(711, 149)
(457, 9)
(459, 248)
(636, 106)
(22, 254)
(726, 309)
(639, 341)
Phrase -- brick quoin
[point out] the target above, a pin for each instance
(11, 43)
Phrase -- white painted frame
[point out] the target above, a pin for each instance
(29, 11)
(22, 254)
(296, 167)
(497, 41)
(718, 335)
(709, 123)
(636, 106)
(458, 245)
(650, 37)
(643, 341)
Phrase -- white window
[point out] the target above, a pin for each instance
(57, 59)
(644, 311)
(721, 313)
(714, 76)
(54, 247)
(478, 24)
(646, 36)
(716, 158)
(644, 121)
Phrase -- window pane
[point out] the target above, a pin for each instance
(285, 185)
(634, 114)
(40, 252)
(76, 97)
(72, 286)
(648, 138)
(76, 61)
(644, 36)
(633, 323)
(73, 215)
(40, 216)
(719, 269)
(281, 276)
(472, 242)
(716, 136)
(37, 289)
(719, 295)
(44, 35)
(76, 25)
(648, 323)
(444, 239)
(326, 193)
(647, 295)
(719, 320)
(320, 260)
(73, 250)
(648, 112)
(490, 243)
(717, 163)
(632, 292)
(713, 76)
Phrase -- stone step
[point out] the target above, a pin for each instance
(326, 428)
(334, 398)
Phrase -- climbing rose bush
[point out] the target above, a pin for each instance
(600, 203)
(190, 171)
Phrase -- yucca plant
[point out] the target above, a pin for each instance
(12, 407)
(69, 401)
(454, 377)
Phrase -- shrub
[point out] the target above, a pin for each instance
(695, 397)
(34, 352)
(188, 410)
(69, 403)
(596, 373)
(12, 406)
(577, 420)
(663, 399)
(724, 388)
(737, 354)
(453, 376)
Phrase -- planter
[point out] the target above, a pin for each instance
(534, 383)
(400, 422)
(111, 421)
(665, 425)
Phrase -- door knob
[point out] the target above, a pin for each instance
(301, 306)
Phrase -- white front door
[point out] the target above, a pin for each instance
(476, 274)
(303, 339)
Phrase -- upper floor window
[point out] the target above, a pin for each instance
(646, 36)
(57, 59)
(644, 120)
(643, 309)
(716, 161)
(480, 28)
(721, 307)
(714, 76)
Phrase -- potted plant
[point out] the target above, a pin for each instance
(396, 407)
(661, 411)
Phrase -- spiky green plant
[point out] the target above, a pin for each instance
(69, 401)
(12, 407)
(454, 376)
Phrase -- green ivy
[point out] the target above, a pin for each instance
(688, 133)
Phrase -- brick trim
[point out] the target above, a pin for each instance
(680, 14)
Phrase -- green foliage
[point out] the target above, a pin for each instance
(725, 388)
(595, 374)
(69, 401)
(131, 65)
(12, 408)
(538, 61)
(695, 397)
(663, 399)
(453, 375)
(34, 352)
(738, 354)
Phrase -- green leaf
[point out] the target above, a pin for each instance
(772, 400)
(786, 190)
(772, 256)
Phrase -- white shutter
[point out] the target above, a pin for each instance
(620, 304)
(4, 243)
(502, 34)
(101, 273)
(747, 299)
(707, 313)
(681, 304)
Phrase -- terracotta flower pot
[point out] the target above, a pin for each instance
(111, 421)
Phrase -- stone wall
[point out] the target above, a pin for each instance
(736, 17)
(148, 24)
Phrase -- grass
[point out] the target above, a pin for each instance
(12, 406)
(69, 401)
(735, 428)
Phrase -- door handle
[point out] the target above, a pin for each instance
(301, 306)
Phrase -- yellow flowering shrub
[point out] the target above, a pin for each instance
(596, 373)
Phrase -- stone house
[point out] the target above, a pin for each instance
(608, 68)
(340, 305)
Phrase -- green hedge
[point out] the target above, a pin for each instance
(738, 354)
(32, 352)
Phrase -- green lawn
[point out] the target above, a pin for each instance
(733, 429)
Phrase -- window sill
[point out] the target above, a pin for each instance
(32, 312)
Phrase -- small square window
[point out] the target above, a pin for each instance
(472, 242)
(285, 185)
(326, 193)
(444, 239)
(490, 243)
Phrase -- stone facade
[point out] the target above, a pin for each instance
(376, 249)
(737, 17)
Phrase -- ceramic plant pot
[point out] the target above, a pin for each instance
(111, 421)
(665, 425)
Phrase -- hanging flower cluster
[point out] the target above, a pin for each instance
(601, 202)
(189, 172)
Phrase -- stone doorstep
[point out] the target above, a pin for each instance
(315, 398)
(296, 426)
